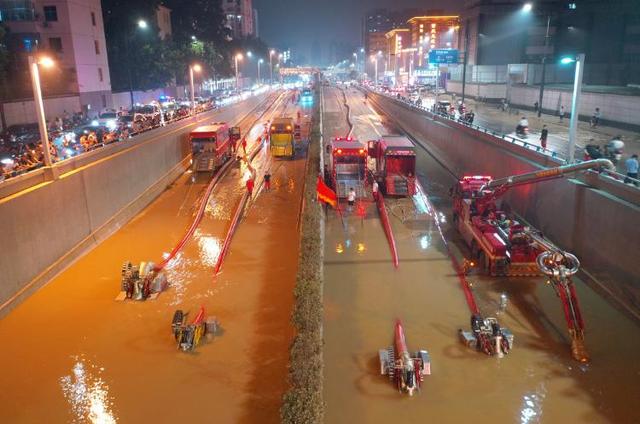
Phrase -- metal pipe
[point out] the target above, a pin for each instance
(546, 174)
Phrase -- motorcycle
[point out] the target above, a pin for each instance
(614, 150)
(522, 131)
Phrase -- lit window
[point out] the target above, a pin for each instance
(433, 25)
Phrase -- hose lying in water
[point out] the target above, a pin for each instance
(466, 286)
(384, 217)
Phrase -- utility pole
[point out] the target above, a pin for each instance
(466, 59)
(544, 66)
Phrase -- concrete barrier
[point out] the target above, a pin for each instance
(48, 226)
(601, 229)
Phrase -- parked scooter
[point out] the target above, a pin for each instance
(614, 149)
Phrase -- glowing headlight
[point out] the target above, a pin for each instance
(111, 124)
(94, 123)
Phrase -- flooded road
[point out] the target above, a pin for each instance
(73, 354)
(537, 382)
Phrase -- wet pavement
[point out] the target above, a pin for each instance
(537, 382)
(73, 354)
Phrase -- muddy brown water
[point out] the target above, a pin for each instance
(537, 382)
(70, 353)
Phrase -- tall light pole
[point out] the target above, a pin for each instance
(193, 68)
(575, 102)
(280, 56)
(237, 57)
(260, 62)
(374, 59)
(544, 66)
(37, 97)
(355, 55)
(271, 53)
(141, 24)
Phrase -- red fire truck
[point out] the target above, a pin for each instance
(210, 146)
(394, 165)
(348, 164)
(502, 246)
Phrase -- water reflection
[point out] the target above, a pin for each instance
(88, 394)
(210, 248)
(531, 411)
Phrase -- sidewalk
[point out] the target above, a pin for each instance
(489, 116)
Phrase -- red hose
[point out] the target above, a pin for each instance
(197, 219)
(466, 287)
(384, 217)
(232, 229)
(238, 213)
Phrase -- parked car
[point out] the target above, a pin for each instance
(136, 123)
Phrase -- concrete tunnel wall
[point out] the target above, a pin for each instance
(46, 228)
(602, 230)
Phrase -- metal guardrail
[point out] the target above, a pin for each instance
(612, 176)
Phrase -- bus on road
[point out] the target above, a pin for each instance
(210, 147)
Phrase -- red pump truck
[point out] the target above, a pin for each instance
(502, 246)
(394, 165)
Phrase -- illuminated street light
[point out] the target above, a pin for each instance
(34, 64)
(527, 7)
(249, 54)
(193, 68)
(575, 101)
(271, 53)
(236, 59)
(142, 24)
(260, 62)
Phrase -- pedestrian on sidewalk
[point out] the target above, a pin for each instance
(543, 136)
(250, 184)
(595, 119)
(374, 190)
(351, 198)
(267, 180)
(561, 113)
(632, 170)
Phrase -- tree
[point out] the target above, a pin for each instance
(4, 62)
(203, 19)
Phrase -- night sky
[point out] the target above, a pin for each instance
(297, 23)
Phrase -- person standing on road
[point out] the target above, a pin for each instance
(267, 180)
(374, 190)
(250, 184)
(543, 136)
(632, 169)
(351, 198)
(244, 144)
(561, 113)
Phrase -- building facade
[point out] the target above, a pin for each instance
(432, 32)
(72, 33)
(240, 17)
(501, 32)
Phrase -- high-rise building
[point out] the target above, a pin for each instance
(240, 17)
(378, 22)
(72, 32)
(432, 32)
(502, 32)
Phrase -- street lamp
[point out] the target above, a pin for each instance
(260, 62)
(193, 68)
(374, 60)
(142, 24)
(271, 53)
(249, 54)
(575, 101)
(526, 8)
(236, 59)
(46, 62)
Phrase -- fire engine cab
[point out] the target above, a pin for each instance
(348, 164)
(394, 165)
(210, 146)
